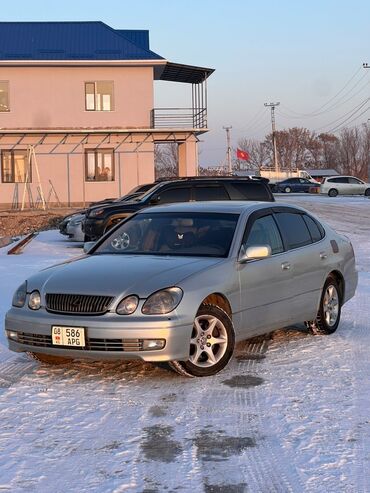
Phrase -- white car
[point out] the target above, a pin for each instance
(344, 185)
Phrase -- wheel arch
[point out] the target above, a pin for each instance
(340, 280)
(219, 300)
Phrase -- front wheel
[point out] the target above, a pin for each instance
(287, 189)
(211, 344)
(333, 192)
(328, 316)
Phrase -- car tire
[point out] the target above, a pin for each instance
(328, 316)
(50, 359)
(287, 190)
(333, 192)
(367, 192)
(201, 352)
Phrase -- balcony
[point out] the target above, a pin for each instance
(184, 118)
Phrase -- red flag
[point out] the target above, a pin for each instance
(243, 155)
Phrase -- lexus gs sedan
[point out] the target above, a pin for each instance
(182, 283)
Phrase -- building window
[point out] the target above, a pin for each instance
(4, 95)
(14, 167)
(99, 96)
(99, 165)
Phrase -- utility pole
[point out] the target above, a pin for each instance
(228, 152)
(273, 106)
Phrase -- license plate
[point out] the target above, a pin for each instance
(68, 336)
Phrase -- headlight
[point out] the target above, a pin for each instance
(127, 305)
(75, 222)
(35, 300)
(19, 298)
(162, 302)
(96, 212)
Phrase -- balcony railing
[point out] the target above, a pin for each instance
(179, 118)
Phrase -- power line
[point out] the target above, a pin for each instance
(255, 120)
(346, 121)
(318, 110)
(352, 111)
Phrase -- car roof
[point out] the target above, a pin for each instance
(220, 206)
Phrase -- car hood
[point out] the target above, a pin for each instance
(115, 274)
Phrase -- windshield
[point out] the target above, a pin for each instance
(185, 234)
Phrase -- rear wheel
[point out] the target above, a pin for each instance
(367, 192)
(333, 192)
(211, 344)
(328, 316)
(49, 358)
(287, 189)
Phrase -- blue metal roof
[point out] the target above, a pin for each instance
(72, 41)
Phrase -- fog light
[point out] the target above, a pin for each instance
(35, 300)
(11, 334)
(150, 344)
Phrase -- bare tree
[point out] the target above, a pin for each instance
(166, 160)
(353, 158)
(259, 154)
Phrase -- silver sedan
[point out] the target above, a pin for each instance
(183, 282)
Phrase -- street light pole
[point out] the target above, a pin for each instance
(273, 106)
(228, 152)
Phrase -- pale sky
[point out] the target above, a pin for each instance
(307, 55)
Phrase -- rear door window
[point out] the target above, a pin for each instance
(174, 195)
(250, 191)
(210, 193)
(315, 231)
(294, 230)
(338, 180)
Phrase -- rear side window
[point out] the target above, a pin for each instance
(294, 229)
(210, 193)
(174, 195)
(316, 232)
(250, 191)
(264, 232)
(337, 180)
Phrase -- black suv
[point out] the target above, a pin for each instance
(101, 218)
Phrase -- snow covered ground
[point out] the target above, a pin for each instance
(290, 413)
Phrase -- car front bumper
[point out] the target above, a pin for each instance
(93, 228)
(107, 337)
(75, 233)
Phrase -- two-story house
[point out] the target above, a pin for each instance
(77, 111)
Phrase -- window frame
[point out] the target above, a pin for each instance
(12, 164)
(95, 83)
(250, 222)
(96, 151)
(8, 96)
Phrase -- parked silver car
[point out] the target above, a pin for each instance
(344, 185)
(183, 282)
(74, 227)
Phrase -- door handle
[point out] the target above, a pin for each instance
(285, 265)
(323, 255)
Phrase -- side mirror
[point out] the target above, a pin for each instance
(88, 246)
(154, 200)
(254, 253)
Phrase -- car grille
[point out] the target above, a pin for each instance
(78, 304)
(93, 344)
